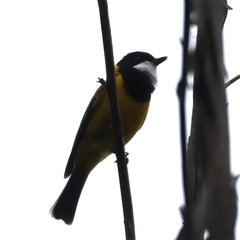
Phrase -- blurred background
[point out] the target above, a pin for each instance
(51, 56)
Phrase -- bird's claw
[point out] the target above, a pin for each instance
(125, 162)
(102, 81)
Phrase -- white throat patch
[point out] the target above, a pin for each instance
(149, 69)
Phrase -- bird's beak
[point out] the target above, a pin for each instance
(157, 61)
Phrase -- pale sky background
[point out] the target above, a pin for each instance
(51, 55)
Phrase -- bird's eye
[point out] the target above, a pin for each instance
(136, 59)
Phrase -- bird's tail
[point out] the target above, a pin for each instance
(65, 206)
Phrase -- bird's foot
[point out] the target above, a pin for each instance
(125, 162)
(102, 81)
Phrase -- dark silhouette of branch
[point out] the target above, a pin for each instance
(116, 122)
(181, 94)
(227, 84)
(216, 204)
(211, 196)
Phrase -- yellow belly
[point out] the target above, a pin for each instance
(98, 141)
(133, 113)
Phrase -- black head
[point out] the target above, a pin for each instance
(139, 74)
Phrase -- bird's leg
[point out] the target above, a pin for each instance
(126, 158)
(102, 81)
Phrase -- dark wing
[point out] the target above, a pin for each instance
(81, 131)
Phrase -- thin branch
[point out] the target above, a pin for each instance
(227, 84)
(213, 139)
(181, 94)
(116, 122)
(196, 153)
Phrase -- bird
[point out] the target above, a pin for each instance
(136, 80)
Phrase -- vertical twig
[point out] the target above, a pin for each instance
(181, 94)
(211, 198)
(117, 123)
(216, 210)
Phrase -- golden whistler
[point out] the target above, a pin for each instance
(136, 79)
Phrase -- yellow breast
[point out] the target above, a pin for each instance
(133, 113)
(98, 141)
